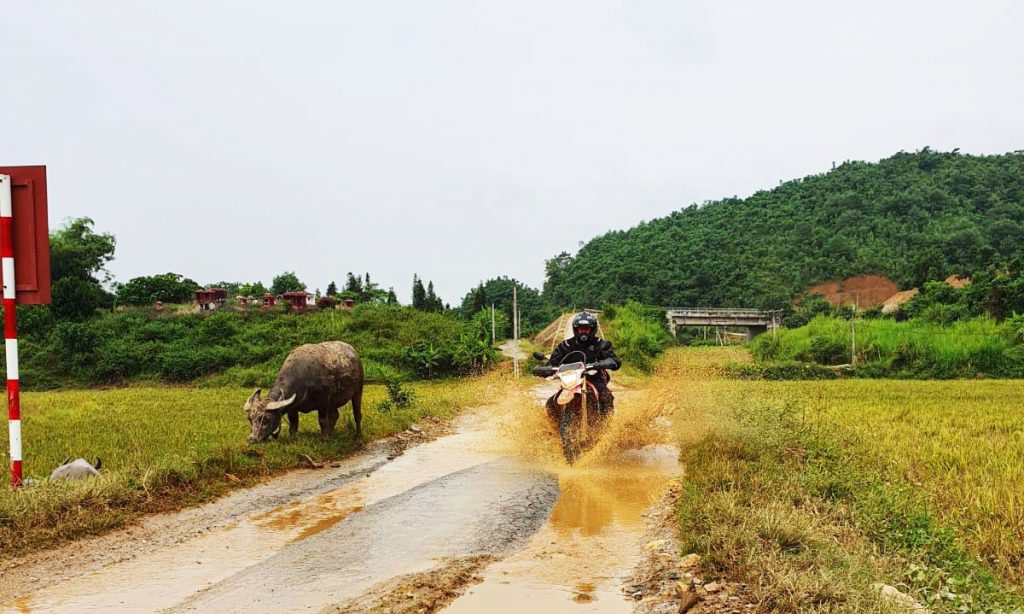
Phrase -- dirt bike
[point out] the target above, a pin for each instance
(575, 408)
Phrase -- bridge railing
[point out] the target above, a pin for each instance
(718, 312)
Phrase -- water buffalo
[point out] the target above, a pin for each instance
(321, 377)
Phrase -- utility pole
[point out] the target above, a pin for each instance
(493, 337)
(515, 333)
(853, 333)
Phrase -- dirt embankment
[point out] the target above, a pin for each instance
(864, 291)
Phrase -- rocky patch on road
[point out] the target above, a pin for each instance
(666, 582)
(427, 429)
(419, 593)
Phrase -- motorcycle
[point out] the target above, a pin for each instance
(575, 407)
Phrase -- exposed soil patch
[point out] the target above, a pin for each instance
(425, 592)
(863, 291)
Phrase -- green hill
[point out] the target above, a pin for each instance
(913, 217)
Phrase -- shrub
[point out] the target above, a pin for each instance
(826, 351)
(637, 332)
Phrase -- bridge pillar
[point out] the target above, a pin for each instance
(753, 331)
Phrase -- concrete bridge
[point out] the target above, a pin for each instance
(754, 320)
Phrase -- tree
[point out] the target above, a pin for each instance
(477, 300)
(537, 312)
(255, 288)
(432, 303)
(76, 251)
(392, 298)
(354, 285)
(419, 294)
(168, 287)
(332, 289)
(286, 282)
(78, 257)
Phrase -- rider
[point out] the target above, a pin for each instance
(598, 352)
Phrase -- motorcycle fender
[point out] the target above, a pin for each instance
(565, 396)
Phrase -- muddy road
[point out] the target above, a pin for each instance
(477, 515)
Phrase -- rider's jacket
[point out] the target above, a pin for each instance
(596, 349)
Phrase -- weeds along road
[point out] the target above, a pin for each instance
(485, 519)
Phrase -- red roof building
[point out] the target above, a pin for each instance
(300, 300)
(209, 299)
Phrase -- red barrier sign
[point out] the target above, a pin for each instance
(31, 232)
(25, 268)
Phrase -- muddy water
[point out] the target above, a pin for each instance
(567, 537)
(580, 559)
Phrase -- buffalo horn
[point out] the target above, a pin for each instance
(275, 405)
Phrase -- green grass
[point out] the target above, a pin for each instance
(978, 347)
(242, 348)
(814, 491)
(166, 447)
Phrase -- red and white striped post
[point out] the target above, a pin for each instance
(10, 326)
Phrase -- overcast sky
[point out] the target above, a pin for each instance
(466, 140)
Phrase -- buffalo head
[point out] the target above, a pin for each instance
(265, 416)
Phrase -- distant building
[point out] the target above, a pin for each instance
(348, 304)
(208, 299)
(300, 300)
(269, 300)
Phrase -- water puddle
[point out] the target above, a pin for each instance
(582, 556)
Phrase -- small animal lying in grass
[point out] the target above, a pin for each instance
(79, 469)
(317, 377)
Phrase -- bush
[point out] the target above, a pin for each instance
(247, 348)
(977, 347)
(826, 351)
(399, 397)
(638, 333)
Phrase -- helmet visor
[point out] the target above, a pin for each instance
(584, 329)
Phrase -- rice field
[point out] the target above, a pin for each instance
(911, 483)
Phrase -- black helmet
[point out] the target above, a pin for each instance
(584, 319)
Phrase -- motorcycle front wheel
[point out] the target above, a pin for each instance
(569, 431)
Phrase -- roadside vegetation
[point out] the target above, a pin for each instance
(246, 348)
(976, 347)
(164, 448)
(638, 333)
(817, 492)
(944, 332)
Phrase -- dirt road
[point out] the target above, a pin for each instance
(485, 518)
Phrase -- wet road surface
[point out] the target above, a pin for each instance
(567, 538)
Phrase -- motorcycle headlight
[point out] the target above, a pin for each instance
(570, 379)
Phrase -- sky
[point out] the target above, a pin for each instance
(462, 140)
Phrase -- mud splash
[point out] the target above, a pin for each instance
(586, 552)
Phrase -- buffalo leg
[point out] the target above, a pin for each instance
(293, 422)
(326, 424)
(357, 413)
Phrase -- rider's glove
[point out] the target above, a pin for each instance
(544, 371)
(606, 363)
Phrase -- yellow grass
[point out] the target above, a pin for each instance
(165, 447)
(960, 444)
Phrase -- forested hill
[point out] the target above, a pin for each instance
(913, 217)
